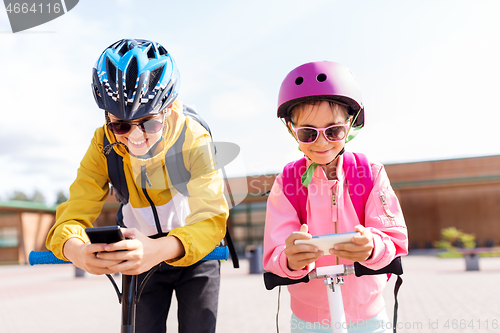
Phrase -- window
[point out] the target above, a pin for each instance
(9, 237)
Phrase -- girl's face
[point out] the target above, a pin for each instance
(321, 115)
(138, 141)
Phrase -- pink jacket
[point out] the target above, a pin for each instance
(329, 210)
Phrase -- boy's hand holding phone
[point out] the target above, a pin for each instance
(139, 253)
(84, 256)
(123, 250)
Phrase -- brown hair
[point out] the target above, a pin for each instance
(299, 107)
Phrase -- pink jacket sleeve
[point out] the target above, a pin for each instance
(384, 218)
(281, 221)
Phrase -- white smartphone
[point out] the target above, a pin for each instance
(326, 242)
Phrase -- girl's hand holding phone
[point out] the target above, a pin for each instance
(360, 249)
(300, 255)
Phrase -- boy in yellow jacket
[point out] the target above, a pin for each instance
(136, 82)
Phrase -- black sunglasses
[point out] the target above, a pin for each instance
(149, 126)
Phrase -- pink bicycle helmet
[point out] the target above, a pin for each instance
(322, 80)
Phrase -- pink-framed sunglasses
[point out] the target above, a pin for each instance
(332, 133)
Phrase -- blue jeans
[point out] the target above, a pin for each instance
(378, 324)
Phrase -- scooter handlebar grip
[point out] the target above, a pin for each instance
(219, 253)
(272, 280)
(45, 257)
(395, 267)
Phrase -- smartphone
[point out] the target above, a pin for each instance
(104, 235)
(326, 242)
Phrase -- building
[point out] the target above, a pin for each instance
(463, 193)
(23, 228)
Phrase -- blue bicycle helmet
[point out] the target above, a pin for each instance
(134, 78)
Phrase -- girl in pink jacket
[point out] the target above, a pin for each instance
(320, 103)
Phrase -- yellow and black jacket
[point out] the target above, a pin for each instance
(198, 220)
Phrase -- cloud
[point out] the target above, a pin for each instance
(245, 102)
(426, 72)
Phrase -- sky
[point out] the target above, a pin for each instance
(428, 70)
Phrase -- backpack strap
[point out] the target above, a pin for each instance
(191, 112)
(358, 177)
(359, 181)
(174, 161)
(293, 189)
(116, 174)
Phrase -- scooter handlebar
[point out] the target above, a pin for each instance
(395, 267)
(47, 257)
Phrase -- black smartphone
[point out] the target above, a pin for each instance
(104, 235)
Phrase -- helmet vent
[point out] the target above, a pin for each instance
(151, 52)
(154, 77)
(162, 50)
(321, 77)
(96, 91)
(132, 72)
(115, 45)
(123, 49)
(111, 71)
(299, 80)
(166, 97)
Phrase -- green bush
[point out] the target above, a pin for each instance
(452, 238)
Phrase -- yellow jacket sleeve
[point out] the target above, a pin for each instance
(87, 195)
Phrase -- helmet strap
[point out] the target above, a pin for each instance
(349, 138)
(308, 174)
(106, 117)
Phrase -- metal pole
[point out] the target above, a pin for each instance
(129, 287)
(337, 313)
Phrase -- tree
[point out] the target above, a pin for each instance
(18, 195)
(38, 197)
(61, 197)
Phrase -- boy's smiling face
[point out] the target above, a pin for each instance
(137, 141)
(320, 115)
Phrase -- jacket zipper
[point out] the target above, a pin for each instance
(334, 202)
(382, 198)
(386, 208)
(144, 179)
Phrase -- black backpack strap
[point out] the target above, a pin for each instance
(395, 267)
(191, 112)
(398, 284)
(116, 173)
(119, 217)
(174, 161)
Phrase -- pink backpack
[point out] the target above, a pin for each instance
(358, 176)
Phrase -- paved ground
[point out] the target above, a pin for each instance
(438, 295)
